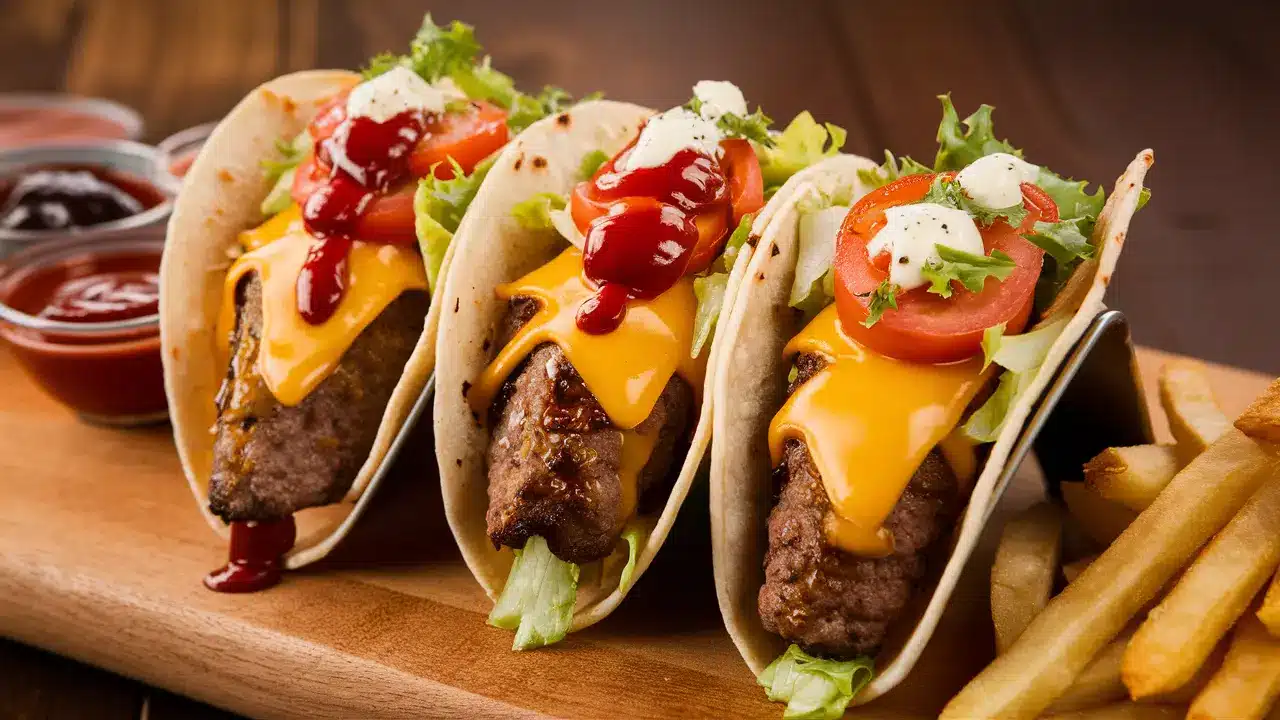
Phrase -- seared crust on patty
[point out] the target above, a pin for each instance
(828, 601)
(554, 458)
(271, 460)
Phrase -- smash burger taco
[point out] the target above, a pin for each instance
(572, 408)
(296, 287)
(895, 328)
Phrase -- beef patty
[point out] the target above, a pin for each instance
(828, 601)
(270, 460)
(554, 457)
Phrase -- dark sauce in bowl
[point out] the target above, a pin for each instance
(61, 197)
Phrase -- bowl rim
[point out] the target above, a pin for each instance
(129, 119)
(53, 251)
(32, 155)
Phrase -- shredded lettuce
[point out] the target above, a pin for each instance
(1063, 240)
(892, 169)
(813, 688)
(816, 247)
(958, 148)
(733, 245)
(535, 213)
(279, 171)
(632, 535)
(591, 162)
(884, 297)
(802, 143)
(438, 207)
(710, 291)
(537, 601)
(948, 193)
(1021, 356)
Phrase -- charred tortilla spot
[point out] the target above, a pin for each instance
(752, 239)
(519, 161)
(485, 345)
(225, 175)
(563, 120)
(773, 250)
(459, 462)
(457, 303)
(760, 276)
(539, 162)
(466, 388)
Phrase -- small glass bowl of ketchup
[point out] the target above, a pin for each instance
(81, 315)
(99, 189)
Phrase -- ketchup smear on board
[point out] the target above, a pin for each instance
(256, 556)
(367, 158)
(643, 245)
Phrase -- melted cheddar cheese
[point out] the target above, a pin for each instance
(636, 449)
(627, 369)
(868, 422)
(295, 356)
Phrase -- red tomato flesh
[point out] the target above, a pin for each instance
(926, 327)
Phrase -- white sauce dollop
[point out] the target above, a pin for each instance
(911, 235)
(719, 97)
(395, 91)
(669, 133)
(995, 180)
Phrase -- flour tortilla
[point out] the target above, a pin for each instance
(221, 197)
(492, 248)
(751, 383)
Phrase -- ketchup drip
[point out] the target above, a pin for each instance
(643, 245)
(366, 158)
(257, 549)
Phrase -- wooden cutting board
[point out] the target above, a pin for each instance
(102, 549)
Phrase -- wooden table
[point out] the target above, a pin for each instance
(102, 548)
(1079, 86)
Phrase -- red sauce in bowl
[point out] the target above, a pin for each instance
(68, 296)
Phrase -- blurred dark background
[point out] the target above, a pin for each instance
(1080, 86)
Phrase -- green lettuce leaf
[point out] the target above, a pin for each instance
(813, 688)
(815, 249)
(1062, 240)
(1021, 356)
(958, 148)
(884, 297)
(1070, 196)
(948, 193)
(968, 269)
(436, 51)
(537, 601)
(753, 127)
(633, 534)
(281, 195)
(734, 244)
(892, 169)
(802, 143)
(710, 291)
(535, 213)
(438, 207)
(591, 162)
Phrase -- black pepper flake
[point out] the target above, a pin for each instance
(466, 388)
(944, 228)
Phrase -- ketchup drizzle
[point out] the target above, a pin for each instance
(255, 558)
(642, 246)
(365, 158)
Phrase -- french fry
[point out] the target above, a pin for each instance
(1269, 613)
(1132, 476)
(1194, 416)
(1125, 711)
(1090, 612)
(1099, 683)
(1213, 593)
(1024, 568)
(1101, 519)
(1072, 570)
(1248, 683)
(1261, 419)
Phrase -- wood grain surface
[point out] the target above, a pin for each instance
(1079, 86)
(102, 549)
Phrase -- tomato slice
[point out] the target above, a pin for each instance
(926, 327)
(746, 183)
(388, 219)
(468, 137)
(329, 117)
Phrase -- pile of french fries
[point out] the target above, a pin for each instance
(1163, 555)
